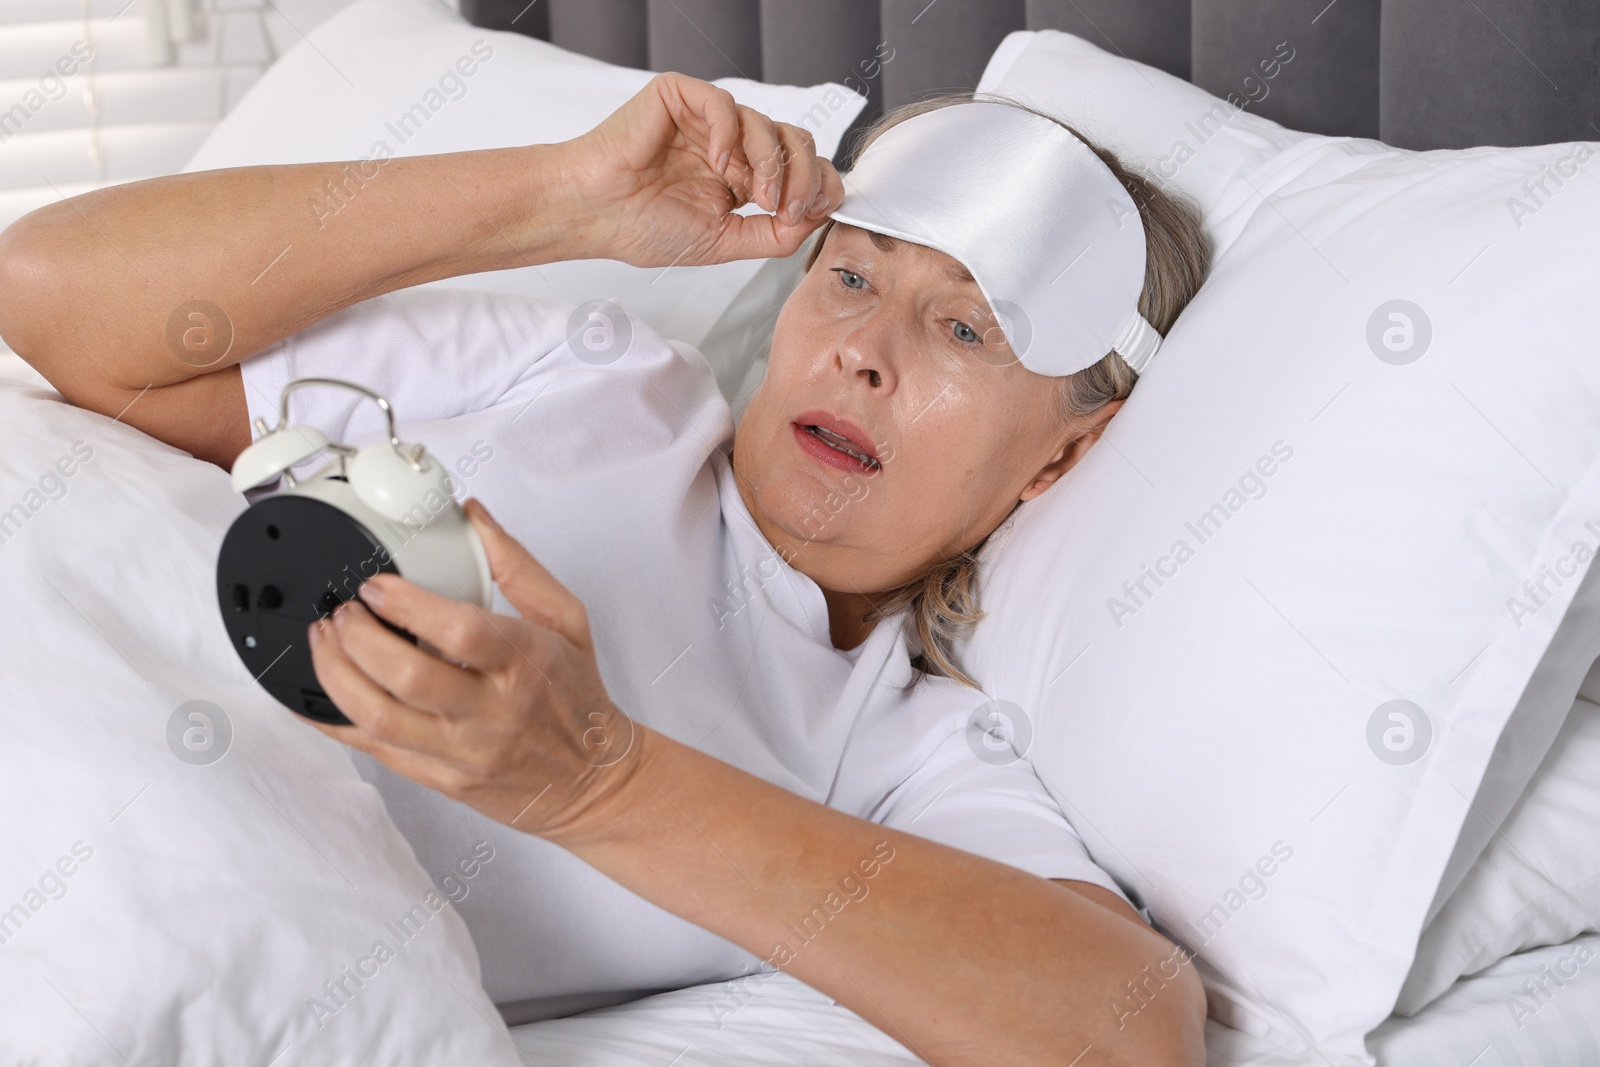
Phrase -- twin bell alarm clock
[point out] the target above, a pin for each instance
(295, 555)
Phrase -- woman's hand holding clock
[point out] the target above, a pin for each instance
(510, 718)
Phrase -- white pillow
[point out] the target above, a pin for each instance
(344, 93)
(1181, 135)
(1538, 882)
(1220, 736)
(186, 865)
(1215, 152)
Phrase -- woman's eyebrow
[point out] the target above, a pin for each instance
(954, 271)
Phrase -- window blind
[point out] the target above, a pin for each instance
(98, 92)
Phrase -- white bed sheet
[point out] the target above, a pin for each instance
(780, 1022)
(762, 1021)
(1477, 1022)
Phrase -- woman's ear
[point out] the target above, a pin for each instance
(1072, 451)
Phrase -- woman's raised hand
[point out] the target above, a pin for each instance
(666, 170)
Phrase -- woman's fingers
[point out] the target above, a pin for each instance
(761, 237)
(773, 163)
(832, 192)
(768, 236)
(763, 150)
(460, 631)
(649, 165)
(366, 703)
(715, 107)
(788, 178)
(532, 590)
(412, 675)
(802, 174)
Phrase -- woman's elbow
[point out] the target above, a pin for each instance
(21, 286)
(34, 298)
(1161, 1025)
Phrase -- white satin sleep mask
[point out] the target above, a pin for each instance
(1050, 235)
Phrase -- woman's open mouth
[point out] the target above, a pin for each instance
(834, 449)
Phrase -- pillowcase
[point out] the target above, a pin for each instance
(1214, 151)
(411, 77)
(1538, 882)
(1210, 150)
(1271, 631)
(190, 876)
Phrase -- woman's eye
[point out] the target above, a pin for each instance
(850, 278)
(965, 334)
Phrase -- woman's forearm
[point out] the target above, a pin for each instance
(102, 285)
(962, 959)
(965, 960)
(138, 301)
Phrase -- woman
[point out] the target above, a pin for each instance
(1008, 948)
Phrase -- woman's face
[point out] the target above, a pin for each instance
(895, 345)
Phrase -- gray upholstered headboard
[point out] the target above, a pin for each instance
(1414, 73)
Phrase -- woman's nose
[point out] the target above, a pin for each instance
(867, 351)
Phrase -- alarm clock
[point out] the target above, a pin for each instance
(296, 554)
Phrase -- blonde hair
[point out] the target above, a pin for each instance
(943, 602)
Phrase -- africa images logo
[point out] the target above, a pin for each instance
(1138, 591)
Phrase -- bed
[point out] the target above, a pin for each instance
(1423, 76)
(1418, 76)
